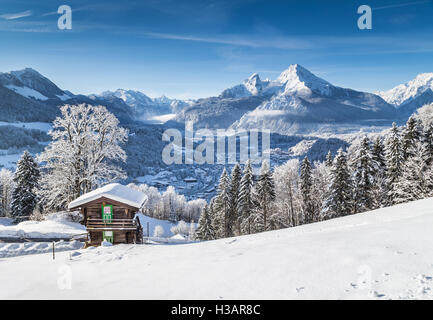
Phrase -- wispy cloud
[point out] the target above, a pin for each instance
(398, 5)
(13, 16)
(83, 8)
(276, 42)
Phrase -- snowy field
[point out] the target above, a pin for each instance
(382, 254)
(54, 227)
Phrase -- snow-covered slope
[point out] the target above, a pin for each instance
(382, 254)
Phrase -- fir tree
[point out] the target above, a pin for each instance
(234, 222)
(24, 199)
(328, 160)
(427, 141)
(340, 200)
(246, 204)
(414, 182)
(205, 230)
(394, 161)
(378, 154)
(411, 135)
(363, 177)
(306, 188)
(265, 195)
(221, 206)
(380, 188)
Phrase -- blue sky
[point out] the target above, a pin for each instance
(197, 48)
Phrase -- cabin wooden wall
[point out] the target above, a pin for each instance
(120, 211)
(94, 210)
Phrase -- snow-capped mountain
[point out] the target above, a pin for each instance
(411, 95)
(296, 102)
(144, 106)
(31, 84)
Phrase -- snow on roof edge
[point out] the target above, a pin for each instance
(113, 191)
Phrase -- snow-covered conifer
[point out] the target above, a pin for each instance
(306, 191)
(6, 187)
(380, 185)
(205, 230)
(246, 204)
(24, 198)
(415, 182)
(410, 135)
(265, 194)
(394, 161)
(221, 206)
(340, 199)
(428, 143)
(234, 222)
(328, 160)
(363, 177)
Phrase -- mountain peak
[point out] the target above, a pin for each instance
(424, 77)
(409, 91)
(254, 84)
(27, 72)
(298, 78)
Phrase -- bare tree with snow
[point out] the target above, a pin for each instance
(86, 143)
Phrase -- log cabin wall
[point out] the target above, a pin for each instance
(93, 210)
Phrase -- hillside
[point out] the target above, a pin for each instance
(381, 254)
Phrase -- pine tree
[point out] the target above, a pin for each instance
(306, 189)
(205, 230)
(411, 134)
(6, 188)
(363, 177)
(265, 195)
(221, 206)
(427, 141)
(394, 161)
(328, 160)
(415, 180)
(26, 177)
(380, 188)
(340, 199)
(378, 154)
(234, 223)
(213, 217)
(246, 204)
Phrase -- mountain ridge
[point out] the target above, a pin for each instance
(294, 102)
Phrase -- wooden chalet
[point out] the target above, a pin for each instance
(109, 214)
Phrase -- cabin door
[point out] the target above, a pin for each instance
(107, 216)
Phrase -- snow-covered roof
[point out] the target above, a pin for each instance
(113, 191)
